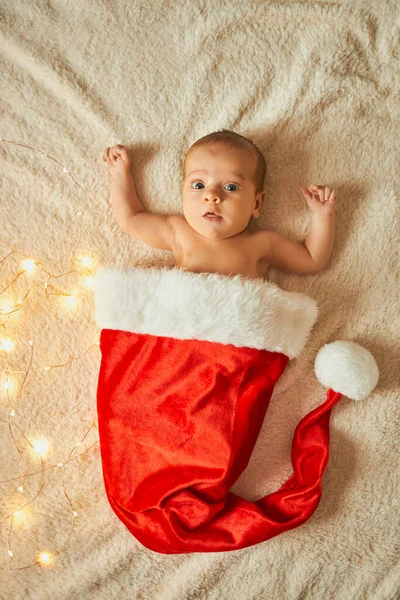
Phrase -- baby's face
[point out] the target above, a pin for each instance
(220, 180)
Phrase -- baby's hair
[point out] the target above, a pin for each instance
(235, 140)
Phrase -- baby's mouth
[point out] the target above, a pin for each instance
(212, 217)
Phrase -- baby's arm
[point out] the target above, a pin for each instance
(311, 256)
(320, 239)
(154, 230)
(287, 255)
(124, 201)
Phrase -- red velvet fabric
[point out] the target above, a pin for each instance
(178, 421)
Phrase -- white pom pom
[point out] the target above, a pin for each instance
(347, 368)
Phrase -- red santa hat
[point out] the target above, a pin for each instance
(189, 363)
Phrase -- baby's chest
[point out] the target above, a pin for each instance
(229, 257)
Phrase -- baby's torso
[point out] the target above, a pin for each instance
(242, 254)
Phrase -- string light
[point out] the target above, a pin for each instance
(6, 344)
(29, 265)
(41, 447)
(10, 309)
(45, 558)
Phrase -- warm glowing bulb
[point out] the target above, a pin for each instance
(29, 265)
(70, 301)
(6, 343)
(87, 281)
(6, 305)
(21, 517)
(9, 386)
(41, 446)
(86, 261)
(45, 558)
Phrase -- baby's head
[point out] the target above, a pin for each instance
(223, 173)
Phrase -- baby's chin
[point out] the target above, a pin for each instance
(216, 234)
(215, 230)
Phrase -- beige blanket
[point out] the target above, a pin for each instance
(317, 86)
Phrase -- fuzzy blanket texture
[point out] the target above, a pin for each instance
(316, 85)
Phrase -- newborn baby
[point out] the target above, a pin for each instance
(222, 189)
(183, 390)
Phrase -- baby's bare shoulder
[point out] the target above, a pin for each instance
(177, 220)
(178, 224)
(261, 240)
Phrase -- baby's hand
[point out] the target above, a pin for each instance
(320, 199)
(117, 159)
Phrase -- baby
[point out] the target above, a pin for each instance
(222, 189)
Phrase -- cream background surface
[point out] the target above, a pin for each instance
(316, 85)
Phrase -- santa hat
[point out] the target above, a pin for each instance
(189, 363)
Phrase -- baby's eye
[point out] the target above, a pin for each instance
(195, 182)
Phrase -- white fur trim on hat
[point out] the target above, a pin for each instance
(347, 368)
(206, 306)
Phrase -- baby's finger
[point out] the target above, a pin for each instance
(121, 152)
(315, 191)
(306, 192)
(327, 192)
(117, 153)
